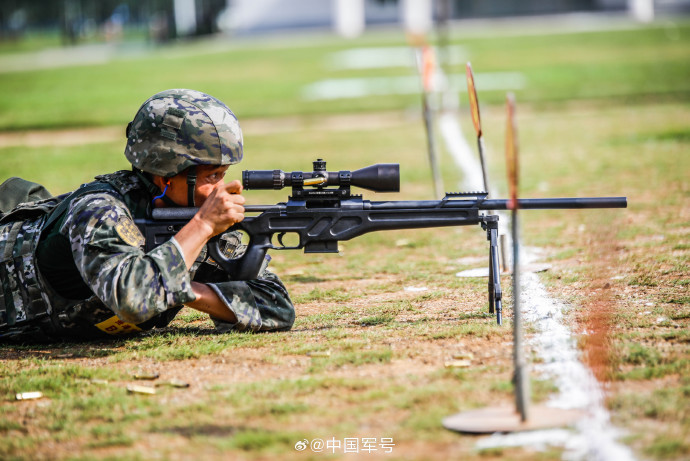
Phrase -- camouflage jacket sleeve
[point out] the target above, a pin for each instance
(107, 249)
(259, 305)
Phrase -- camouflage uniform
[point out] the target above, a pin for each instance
(128, 290)
(83, 272)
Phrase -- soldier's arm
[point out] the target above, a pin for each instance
(208, 301)
(220, 209)
(258, 305)
(108, 251)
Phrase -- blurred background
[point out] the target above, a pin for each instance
(603, 109)
(299, 73)
(82, 21)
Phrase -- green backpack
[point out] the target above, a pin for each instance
(17, 190)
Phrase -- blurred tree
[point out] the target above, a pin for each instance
(492, 8)
(77, 19)
(207, 12)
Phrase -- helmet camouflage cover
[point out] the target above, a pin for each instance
(179, 128)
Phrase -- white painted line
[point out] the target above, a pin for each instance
(385, 57)
(461, 153)
(348, 88)
(594, 437)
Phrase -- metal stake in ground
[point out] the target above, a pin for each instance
(521, 377)
(523, 416)
(426, 64)
(476, 120)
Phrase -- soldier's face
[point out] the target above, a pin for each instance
(207, 176)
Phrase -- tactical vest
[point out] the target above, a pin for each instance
(22, 298)
(27, 300)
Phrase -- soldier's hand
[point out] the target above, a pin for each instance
(223, 207)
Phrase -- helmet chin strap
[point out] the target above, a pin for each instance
(153, 189)
(191, 185)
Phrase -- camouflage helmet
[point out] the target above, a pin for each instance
(179, 128)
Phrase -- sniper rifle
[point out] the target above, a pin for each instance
(322, 211)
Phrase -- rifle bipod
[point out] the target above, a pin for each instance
(490, 225)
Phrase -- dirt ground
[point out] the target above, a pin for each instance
(599, 297)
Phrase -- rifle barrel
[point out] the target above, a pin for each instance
(497, 204)
(502, 204)
(558, 203)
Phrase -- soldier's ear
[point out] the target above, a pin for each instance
(160, 181)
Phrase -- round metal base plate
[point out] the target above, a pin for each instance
(506, 419)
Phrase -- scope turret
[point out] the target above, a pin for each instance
(382, 177)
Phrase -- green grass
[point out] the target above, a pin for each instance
(321, 295)
(30, 42)
(666, 447)
(624, 66)
(75, 164)
(603, 113)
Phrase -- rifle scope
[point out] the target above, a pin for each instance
(382, 177)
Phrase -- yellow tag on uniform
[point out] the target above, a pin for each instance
(129, 232)
(115, 326)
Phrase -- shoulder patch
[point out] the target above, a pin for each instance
(129, 232)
